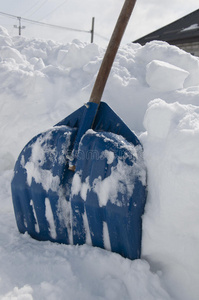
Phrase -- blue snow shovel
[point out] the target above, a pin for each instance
(84, 181)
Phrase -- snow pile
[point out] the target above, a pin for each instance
(45, 81)
(171, 226)
(41, 83)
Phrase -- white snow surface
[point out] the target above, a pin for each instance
(157, 71)
(41, 83)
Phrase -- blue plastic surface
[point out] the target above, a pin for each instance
(111, 194)
(46, 199)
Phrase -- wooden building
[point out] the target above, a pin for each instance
(183, 33)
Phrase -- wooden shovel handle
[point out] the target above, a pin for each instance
(111, 51)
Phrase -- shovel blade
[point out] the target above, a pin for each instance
(101, 204)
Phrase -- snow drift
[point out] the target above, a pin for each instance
(155, 89)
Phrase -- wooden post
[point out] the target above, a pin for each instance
(92, 29)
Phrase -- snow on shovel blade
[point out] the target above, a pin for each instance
(41, 186)
(108, 194)
(101, 203)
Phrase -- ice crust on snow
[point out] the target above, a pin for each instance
(164, 76)
(41, 83)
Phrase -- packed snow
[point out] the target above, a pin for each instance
(155, 90)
